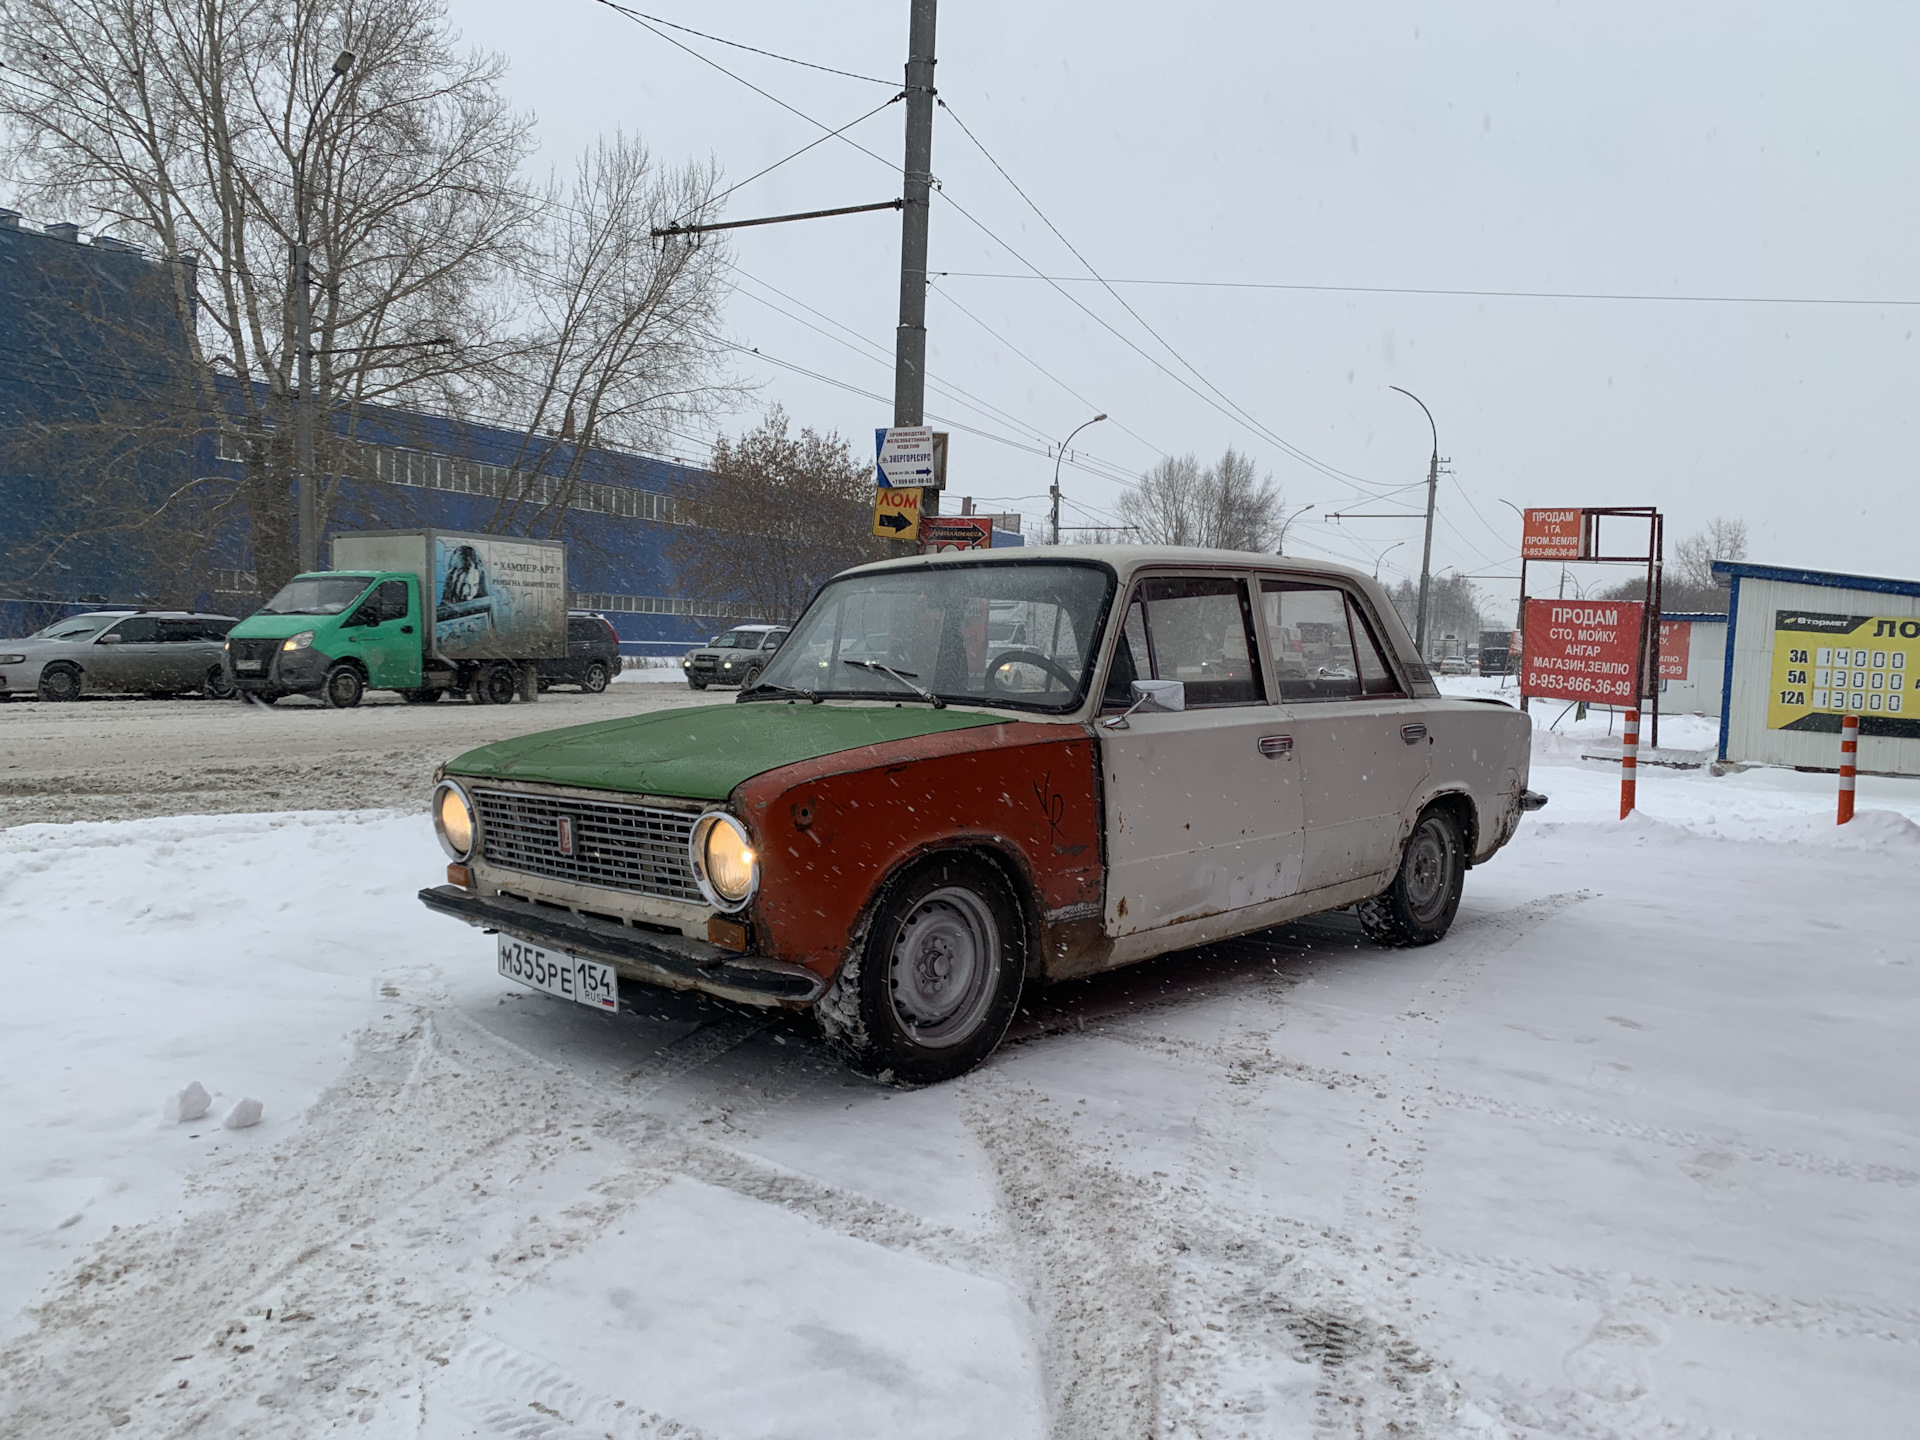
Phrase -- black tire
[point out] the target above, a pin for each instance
(929, 991)
(263, 697)
(60, 683)
(421, 697)
(1418, 908)
(751, 678)
(344, 687)
(596, 677)
(494, 685)
(696, 684)
(217, 685)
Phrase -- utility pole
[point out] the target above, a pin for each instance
(1059, 455)
(916, 186)
(1426, 551)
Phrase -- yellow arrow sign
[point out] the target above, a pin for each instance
(896, 514)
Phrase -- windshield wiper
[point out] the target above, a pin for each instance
(900, 675)
(766, 690)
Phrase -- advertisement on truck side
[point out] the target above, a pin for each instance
(498, 598)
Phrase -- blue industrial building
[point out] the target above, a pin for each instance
(115, 489)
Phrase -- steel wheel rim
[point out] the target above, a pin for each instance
(941, 968)
(1426, 871)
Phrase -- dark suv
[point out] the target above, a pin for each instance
(593, 654)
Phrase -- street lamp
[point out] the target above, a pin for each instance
(1058, 456)
(1426, 553)
(1280, 546)
(1383, 555)
(309, 538)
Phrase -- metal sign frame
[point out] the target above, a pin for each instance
(1646, 679)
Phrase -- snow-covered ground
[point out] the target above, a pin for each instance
(1632, 1153)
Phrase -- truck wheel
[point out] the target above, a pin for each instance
(344, 687)
(59, 682)
(595, 680)
(931, 989)
(421, 697)
(495, 685)
(217, 686)
(1418, 908)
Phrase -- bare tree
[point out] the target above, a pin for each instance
(1687, 582)
(779, 515)
(619, 342)
(199, 127)
(1227, 506)
(1453, 609)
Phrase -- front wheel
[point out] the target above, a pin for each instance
(931, 990)
(1418, 908)
(217, 686)
(693, 684)
(344, 687)
(59, 682)
(750, 679)
(595, 680)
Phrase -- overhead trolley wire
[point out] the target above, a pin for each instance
(738, 45)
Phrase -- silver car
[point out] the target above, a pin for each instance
(148, 652)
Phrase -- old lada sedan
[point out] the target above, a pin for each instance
(968, 773)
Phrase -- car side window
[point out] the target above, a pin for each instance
(179, 632)
(1323, 647)
(1194, 629)
(137, 630)
(390, 600)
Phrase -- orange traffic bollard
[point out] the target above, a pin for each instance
(1849, 747)
(1629, 762)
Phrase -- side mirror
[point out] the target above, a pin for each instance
(108, 640)
(1166, 695)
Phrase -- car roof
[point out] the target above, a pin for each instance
(732, 628)
(157, 614)
(1124, 558)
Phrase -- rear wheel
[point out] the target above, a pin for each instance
(344, 687)
(596, 677)
(931, 990)
(495, 685)
(217, 686)
(1418, 908)
(60, 682)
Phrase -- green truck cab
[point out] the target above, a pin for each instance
(424, 612)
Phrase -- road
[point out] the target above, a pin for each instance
(126, 759)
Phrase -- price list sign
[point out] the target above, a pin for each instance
(1826, 666)
(1581, 650)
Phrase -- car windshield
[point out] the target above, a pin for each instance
(317, 595)
(739, 640)
(1021, 635)
(75, 627)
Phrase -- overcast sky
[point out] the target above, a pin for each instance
(1705, 150)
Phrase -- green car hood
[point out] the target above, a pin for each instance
(279, 627)
(703, 751)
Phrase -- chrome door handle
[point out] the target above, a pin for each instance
(1273, 746)
(1413, 734)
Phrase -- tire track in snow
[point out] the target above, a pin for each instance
(326, 1247)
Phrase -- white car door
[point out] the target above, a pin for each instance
(1362, 743)
(1203, 806)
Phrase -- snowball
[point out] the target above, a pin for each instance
(188, 1104)
(243, 1114)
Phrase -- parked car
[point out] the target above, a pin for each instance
(144, 652)
(902, 824)
(1455, 665)
(735, 658)
(593, 654)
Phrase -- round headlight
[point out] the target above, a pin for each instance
(453, 820)
(724, 861)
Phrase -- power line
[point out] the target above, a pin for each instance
(737, 45)
(818, 140)
(1622, 296)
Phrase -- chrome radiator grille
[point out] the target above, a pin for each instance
(621, 847)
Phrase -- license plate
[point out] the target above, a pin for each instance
(248, 665)
(567, 976)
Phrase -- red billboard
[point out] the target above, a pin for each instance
(1581, 650)
(1676, 639)
(1550, 535)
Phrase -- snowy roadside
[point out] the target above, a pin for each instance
(1629, 1154)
